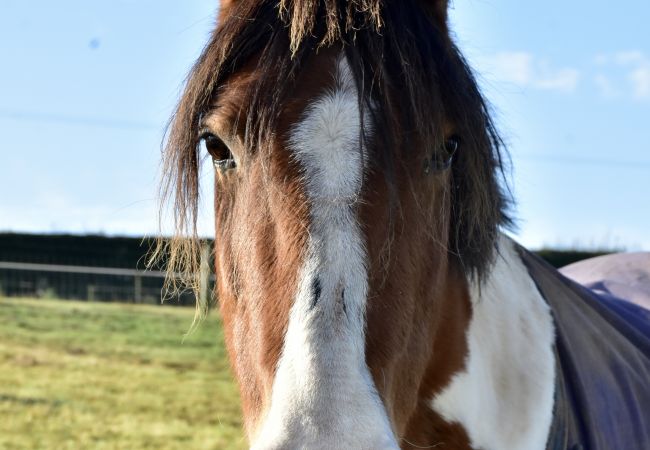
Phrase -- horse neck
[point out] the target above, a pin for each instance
(503, 397)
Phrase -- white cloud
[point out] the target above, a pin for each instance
(623, 74)
(525, 70)
(633, 68)
(559, 80)
(640, 78)
(630, 57)
(638, 65)
(512, 67)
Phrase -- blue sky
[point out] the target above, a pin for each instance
(86, 89)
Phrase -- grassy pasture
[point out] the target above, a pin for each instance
(76, 375)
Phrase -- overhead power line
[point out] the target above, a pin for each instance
(32, 116)
(579, 160)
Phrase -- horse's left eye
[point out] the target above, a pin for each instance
(221, 155)
(451, 144)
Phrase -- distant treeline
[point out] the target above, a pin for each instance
(131, 252)
(76, 250)
(116, 253)
(561, 258)
(89, 251)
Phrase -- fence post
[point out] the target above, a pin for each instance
(138, 289)
(204, 286)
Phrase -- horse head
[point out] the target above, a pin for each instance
(357, 196)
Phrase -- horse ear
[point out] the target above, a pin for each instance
(226, 7)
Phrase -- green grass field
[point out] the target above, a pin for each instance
(77, 375)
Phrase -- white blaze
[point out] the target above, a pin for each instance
(323, 394)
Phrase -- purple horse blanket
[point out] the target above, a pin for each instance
(602, 348)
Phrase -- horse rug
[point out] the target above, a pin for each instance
(602, 348)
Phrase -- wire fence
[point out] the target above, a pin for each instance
(19, 279)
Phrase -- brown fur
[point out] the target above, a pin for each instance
(418, 306)
(261, 225)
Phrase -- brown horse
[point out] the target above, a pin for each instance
(368, 297)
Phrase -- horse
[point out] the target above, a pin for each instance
(370, 296)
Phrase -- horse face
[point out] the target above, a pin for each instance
(326, 288)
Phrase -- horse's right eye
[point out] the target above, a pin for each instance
(221, 155)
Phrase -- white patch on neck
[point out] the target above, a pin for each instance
(504, 398)
(323, 394)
